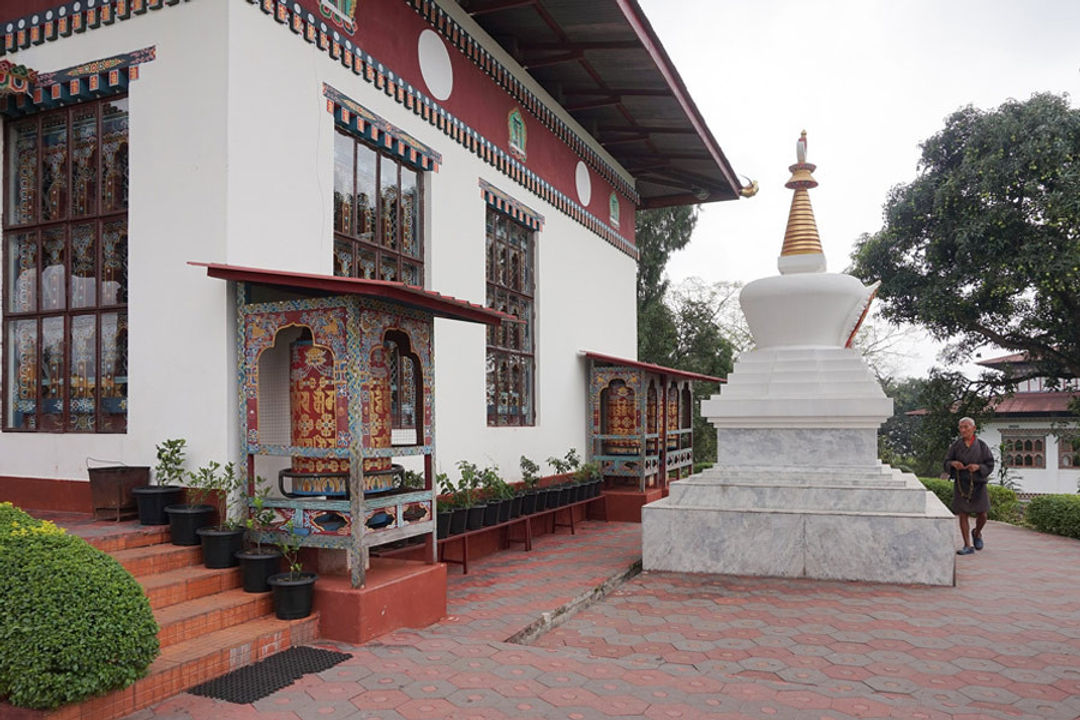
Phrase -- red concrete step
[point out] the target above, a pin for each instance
(211, 613)
(152, 559)
(126, 538)
(188, 583)
(189, 663)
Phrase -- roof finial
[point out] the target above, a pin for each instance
(801, 236)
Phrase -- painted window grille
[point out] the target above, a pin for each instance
(377, 214)
(510, 346)
(1069, 453)
(1024, 451)
(66, 269)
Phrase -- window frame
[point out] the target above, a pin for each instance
(376, 245)
(525, 299)
(1036, 453)
(98, 219)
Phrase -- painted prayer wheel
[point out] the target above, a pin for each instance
(379, 473)
(621, 417)
(314, 422)
(651, 421)
(672, 417)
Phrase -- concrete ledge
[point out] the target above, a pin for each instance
(47, 494)
(398, 593)
(878, 547)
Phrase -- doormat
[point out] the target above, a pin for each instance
(254, 682)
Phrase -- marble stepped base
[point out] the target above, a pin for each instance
(889, 529)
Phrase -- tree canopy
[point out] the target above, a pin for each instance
(983, 247)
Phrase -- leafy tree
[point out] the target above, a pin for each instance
(984, 245)
(659, 233)
(946, 397)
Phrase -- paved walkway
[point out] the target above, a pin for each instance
(1003, 644)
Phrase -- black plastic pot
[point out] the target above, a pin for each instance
(256, 567)
(504, 509)
(219, 546)
(543, 499)
(596, 486)
(152, 501)
(442, 524)
(475, 519)
(457, 520)
(515, 505)
(528, 503)
(491, 514)
(185, 519)
(292, 594)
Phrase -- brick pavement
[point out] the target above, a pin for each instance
(1003, 644)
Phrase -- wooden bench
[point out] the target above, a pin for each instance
(524, 520)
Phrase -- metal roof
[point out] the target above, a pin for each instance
(649, 367)
(436, 303)
(602, 61)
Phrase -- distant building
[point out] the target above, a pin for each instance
(1024, 430)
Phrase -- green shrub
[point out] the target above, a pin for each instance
(1003, 503)
(1057, 514)
(73, 622)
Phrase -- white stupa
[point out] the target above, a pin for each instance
(798, 490)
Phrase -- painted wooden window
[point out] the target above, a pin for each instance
(1069, 453)
(66, 269)
(510, 346)
(377, 215)
(1023, 450)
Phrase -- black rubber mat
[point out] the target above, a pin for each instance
(254, 682)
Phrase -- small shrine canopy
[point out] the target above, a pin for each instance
(649, 367)
(437, 304)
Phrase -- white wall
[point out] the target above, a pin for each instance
(1051, 479)
(180, 368)
(256, 188)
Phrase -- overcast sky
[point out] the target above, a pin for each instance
(868, 80)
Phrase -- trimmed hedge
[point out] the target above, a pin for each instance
(73, 622)
(1057, 514)
(1004, 505)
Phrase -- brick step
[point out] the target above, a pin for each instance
(194, 618)
(153, 559)
(192, 662)
(187, 583)
(124, 539)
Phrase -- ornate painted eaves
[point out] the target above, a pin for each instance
(107, 76)
(499, 200)
(359, 121)
(75, 16)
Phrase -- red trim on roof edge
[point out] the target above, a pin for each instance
(651, 368)
(436, 303)
(649, 40)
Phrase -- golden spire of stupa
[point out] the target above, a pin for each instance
(801, 235)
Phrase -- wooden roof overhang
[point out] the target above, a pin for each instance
(437, 304)
(649, 367)
(604, 64)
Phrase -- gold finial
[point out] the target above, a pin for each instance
(801, 235)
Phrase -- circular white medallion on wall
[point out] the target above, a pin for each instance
(435, 64)
(583, 183)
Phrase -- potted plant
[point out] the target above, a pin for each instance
(168, 474)
(294, 589)
(187, 517)
(468, 491)
(590, 478)
(563, 466)
(499, 493)
(222, 541)
(259, 560)
(529, 478)
(452, 514)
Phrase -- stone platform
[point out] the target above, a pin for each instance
(873, 524)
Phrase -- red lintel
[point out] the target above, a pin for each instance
(660, 369)
(410, 295)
